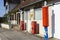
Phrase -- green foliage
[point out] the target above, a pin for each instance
(3, 19)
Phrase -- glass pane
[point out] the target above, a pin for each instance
(27, 15)
(38, 14)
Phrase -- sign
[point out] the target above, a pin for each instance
(31, 15)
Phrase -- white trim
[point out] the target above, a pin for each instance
(16, 16)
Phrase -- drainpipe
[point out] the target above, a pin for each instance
(45, 19)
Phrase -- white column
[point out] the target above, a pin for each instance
(14, 16)
(21, 17)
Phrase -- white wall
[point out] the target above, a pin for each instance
(14, 22)
(6, 26)
(56, 12)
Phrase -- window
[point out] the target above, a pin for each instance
(38, 14)
(27, 15)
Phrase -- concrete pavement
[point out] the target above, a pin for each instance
(18, 35)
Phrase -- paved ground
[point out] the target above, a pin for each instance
(18, 35)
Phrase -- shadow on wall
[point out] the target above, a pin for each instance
(25, 26)
(37, 29)
(53, 23)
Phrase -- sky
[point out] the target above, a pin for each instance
(2, 8)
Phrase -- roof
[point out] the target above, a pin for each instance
(26, 3)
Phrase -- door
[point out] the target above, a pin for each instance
(56, 12)
(18, 18)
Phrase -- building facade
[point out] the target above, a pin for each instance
(32, 11)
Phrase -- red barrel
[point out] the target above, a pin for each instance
(21, 25)
(34, 24)
(45, 16)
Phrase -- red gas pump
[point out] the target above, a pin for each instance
(34, 25)
(21, 25)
